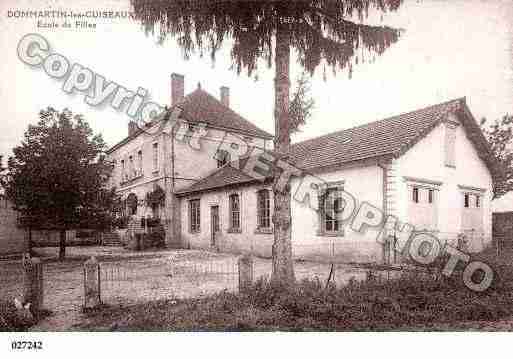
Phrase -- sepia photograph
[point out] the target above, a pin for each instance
(339, 168)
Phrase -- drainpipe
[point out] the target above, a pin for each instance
(383, 166)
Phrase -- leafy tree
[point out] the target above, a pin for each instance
(328, 32)
(3, 173)
(58, 175)
(301, 106)
(500, 136)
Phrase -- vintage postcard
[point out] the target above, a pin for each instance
(254, 166)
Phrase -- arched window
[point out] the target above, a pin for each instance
(234, 212)
(263, 209)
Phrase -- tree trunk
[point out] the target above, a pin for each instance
(30, 244)
(283, 267)
(62, 244)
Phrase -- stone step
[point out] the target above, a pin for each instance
(111, 239)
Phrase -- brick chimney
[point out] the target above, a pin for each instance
(225, 96)
(177, 88)
(132, 128)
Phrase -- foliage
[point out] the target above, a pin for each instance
(156, 197)
(157, 236)
(301, 106)
(329, 30)
(10, 318)
(500, 136)
(412, 300)
(121, 222)
(58, 175)
(3, 174)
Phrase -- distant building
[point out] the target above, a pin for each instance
(13, 240)
(431, 168)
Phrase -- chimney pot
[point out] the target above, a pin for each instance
(225, 96)
(132, 128)
(177, 88)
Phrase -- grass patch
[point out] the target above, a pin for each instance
(413, 301)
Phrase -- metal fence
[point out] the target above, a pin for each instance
(150, 280)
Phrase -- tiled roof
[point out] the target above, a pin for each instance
(225, 176)
(389, 137)
(201, 107)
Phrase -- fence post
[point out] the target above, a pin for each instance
(33, 283)
(245, 272)
(92, 285)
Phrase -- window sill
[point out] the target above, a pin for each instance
(264, 231)
(450, 166)
(195, 232)
(330, 234)
(234, 230)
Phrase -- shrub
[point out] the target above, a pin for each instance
(412, 300)
(12, 319)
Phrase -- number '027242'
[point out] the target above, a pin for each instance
(26, 345)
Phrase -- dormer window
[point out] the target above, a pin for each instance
(222, 157)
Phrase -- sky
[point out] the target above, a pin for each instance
(449, 49)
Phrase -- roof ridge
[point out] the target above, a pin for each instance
(377, 121)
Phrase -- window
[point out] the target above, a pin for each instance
(131, 167)
(194, 215)
(431, 196)
(332, 210)
(466, 200)
(155, 157)
(123, 171)
(478, 201)
(234, 211)
(223, 157)
(415, 194)
(139, 163)
(450, 145)
(263, 209)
